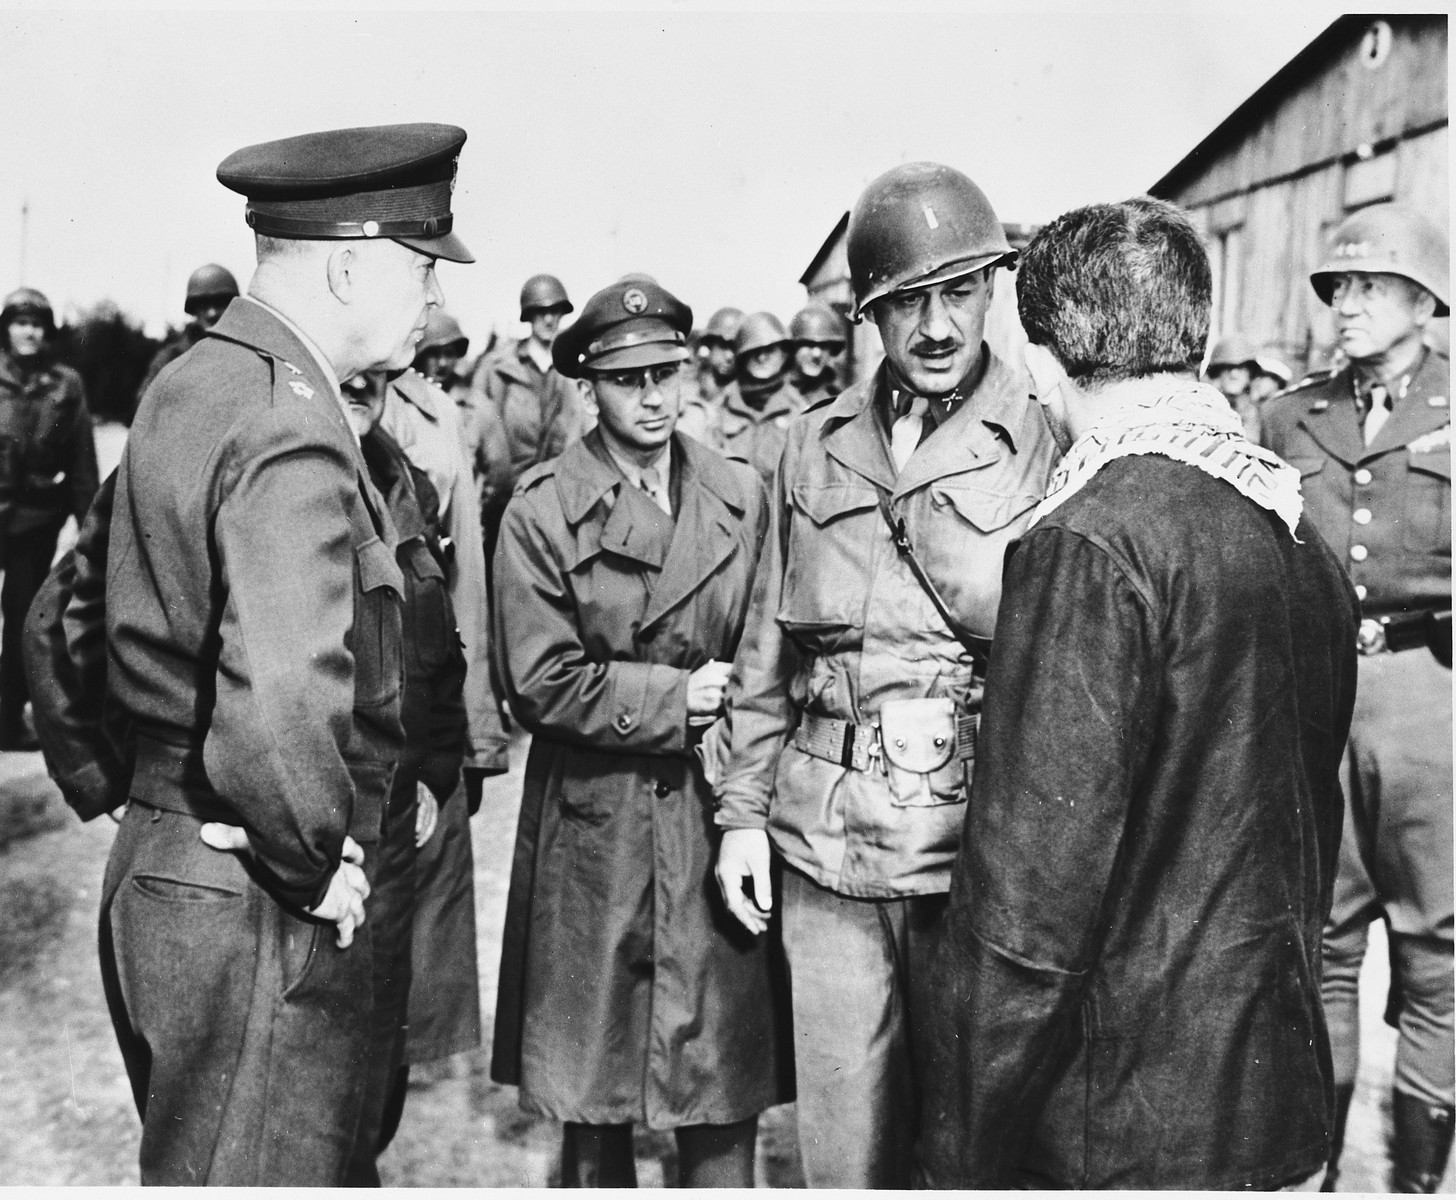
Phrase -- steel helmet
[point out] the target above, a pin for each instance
(817, 323)
(918, 224)
(1269, 363)
(1389, 239)
(27, 302)
(759, 331)
(1233, 350)
(441, 329)
(723, 324)
(543, 293)
(209, 282)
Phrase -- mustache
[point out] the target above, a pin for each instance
(926, 346)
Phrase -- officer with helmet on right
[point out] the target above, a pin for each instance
(1372, 442)
(210, 289)
(855, 692)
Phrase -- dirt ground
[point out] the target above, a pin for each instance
(66, 1107)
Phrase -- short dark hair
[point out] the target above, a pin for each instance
(1117, 291)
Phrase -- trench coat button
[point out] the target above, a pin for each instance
(1359, 553)
(1361, 591)
(1361, 516)
(663, 789)
(899, 743)
(1362, 476)
(623, 722)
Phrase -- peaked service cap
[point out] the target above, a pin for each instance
(390, 181)
(635, 322)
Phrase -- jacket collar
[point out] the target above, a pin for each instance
(1331, 418)
(711, 501)
(519, 367)
(11, 373)
(779, 403)
(297, 374)
(977, 434)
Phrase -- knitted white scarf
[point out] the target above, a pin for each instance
(1189, 422)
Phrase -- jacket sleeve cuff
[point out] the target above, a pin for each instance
(737, 811)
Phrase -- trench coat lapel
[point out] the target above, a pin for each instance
(704, 535)
(584, 476)
(852, 437)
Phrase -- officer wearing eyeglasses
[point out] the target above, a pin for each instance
(627, 993)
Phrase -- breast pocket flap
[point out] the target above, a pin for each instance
(824, 502)
(987, 511)
(377, 568)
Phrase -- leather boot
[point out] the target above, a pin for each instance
(1422, 1143)
(1344, 1092)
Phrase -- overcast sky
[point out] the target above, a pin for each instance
(713, 149)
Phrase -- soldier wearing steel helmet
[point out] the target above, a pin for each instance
(819, 341)
(752, 421)
(854, 696)
(210, 289)
(1372, 441)
(47, 473)
(1231, 366)
(706, 386)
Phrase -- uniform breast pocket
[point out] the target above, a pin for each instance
(377, 635)
(832, 533)
(1428, 503)
(964, 532)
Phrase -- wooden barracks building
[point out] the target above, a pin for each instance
(1357, 117)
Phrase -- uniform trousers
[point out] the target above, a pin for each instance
(1396, 863)
(27, 560)
(244, 1028)
(857, 972)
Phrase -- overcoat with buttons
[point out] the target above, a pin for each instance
(839, 624)
(627, 991)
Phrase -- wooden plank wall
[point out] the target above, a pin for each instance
(1304, 146)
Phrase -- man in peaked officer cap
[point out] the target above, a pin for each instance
(253, 623)
(855, 695)
(1372, 442)
(623, 574)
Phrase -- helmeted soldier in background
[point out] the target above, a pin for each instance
(47, 473)
(819, 340)
(1271, 375)
(210, 289)
(1232, 364)
(1372, 441)
(854, 696)
(713, 375)
(542, 411)
(752, 424)
(441, 352)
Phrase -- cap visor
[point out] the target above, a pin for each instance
(446, 246)
(647, 354)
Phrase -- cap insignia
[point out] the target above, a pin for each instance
(1353, 250)
(930, 221)
(634, 301)
(370, 228)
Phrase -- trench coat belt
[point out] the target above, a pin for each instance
(858, 746)
(168, 777)
(1405, 631)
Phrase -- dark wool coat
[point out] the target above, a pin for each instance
(627, 992)
(1128, 994)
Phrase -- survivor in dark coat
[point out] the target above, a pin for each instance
(1128, 991)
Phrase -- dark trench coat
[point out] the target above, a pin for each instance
(627, 992)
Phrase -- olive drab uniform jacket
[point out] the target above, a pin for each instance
(1385, 508)
(627, 991)
(839, 625)
(756, 436)
(253, 603)
(47, 451)
(543, 413)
